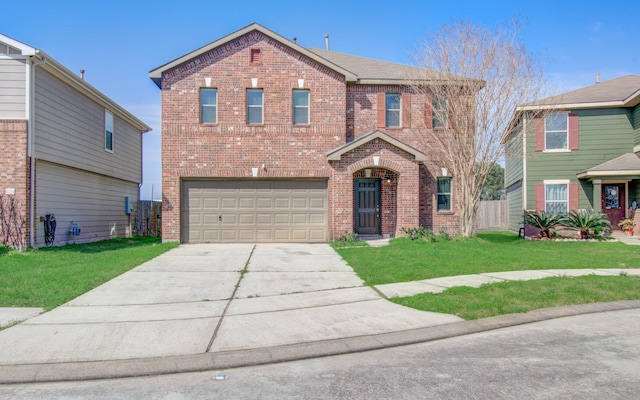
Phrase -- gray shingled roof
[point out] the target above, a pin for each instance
(624, 90)
(626, 164)
(370, 71)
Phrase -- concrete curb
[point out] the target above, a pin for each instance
(56, 372)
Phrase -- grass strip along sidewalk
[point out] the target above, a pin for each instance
(404, 260)
(49, 277)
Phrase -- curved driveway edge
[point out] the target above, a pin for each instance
(232, 359)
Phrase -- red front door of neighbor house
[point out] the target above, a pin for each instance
(613, 203)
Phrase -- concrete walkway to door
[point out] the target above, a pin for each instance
(201, 306)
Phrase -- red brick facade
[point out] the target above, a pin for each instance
(14, 177)
(339, 112)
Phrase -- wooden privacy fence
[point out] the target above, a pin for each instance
(492, 215)
(149, 218)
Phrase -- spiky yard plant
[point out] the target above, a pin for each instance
(586, 221)
(544, 221)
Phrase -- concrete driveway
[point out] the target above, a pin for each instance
(212, 298)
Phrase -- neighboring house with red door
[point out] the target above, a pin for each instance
(66, 150)
(579, 152)
(265, 140)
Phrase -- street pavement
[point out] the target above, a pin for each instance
(589, 356)
(208, 306)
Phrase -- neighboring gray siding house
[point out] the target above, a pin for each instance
(577, 150)
(68, 150)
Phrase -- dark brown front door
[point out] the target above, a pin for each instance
(613, 203)
(367, 206)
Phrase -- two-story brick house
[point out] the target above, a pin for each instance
(68, 151)
(265, 140)
(577, 150)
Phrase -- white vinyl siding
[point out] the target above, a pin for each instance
(70, 130)
(12, 89)
(95, 202)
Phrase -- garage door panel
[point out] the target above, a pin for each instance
(254, 210)
(247, 219)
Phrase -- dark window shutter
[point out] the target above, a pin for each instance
(406, 110)
(539, 123)
(381, 110)
(573, 132)
(540, 201)
(574, 198)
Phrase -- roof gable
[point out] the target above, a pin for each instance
(336, 154)
(156, 74)
(12, 46)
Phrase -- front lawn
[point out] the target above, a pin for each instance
(49, 277)
(518, 297)
(404, 260)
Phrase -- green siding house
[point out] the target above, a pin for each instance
(576, 150)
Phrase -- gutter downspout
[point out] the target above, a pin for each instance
(31, 92)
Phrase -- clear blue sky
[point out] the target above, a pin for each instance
(118, 42)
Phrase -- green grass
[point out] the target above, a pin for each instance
(518, 297)
(49, 277)
(404, 260)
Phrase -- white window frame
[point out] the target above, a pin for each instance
(565, 150)
(394, 110)
(109, 121)
(564, 182)
(307, 107)
(449, 193)
(261, 106)
(209, 105)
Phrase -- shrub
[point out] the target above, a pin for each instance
(544, 221)
(586, 221)
(348, 239)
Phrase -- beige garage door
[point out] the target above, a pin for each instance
(254, 211)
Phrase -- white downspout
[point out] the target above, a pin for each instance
(31, 91)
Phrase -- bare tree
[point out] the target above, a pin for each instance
(12, 223)
(474, 78)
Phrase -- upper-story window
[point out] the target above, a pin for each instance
(108, 131)
(255, 106)
(556, 133)
(393, 103)
(208, 106)
(439, 109)
(301, 106)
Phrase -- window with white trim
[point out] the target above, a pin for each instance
(255, 106)
(301, 106)
(208, 106)
(444, 194)
(108, 131)
(393, 103)
(556, 132)
(556, 198)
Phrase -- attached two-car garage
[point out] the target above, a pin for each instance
(254, 211)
